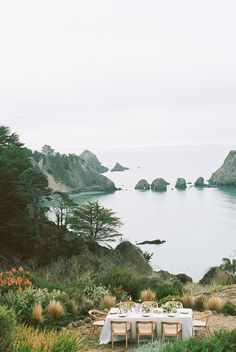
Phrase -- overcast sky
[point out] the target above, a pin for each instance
(109, 73)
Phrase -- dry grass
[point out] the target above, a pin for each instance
(109, 301)
(188, 301)
(213, 303)
(55, 309)
(147, 295)
(37, 312)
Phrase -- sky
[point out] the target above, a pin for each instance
(118, 73)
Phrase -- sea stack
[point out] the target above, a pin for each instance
(226, 174)
(181, 183)
(159, 185)
(143, 185)
(119, 167)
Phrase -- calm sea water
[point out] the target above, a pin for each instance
(199, 226)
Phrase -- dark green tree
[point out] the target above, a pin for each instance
(95, 223)
(21, 190)
(229, 266)
(62, 209)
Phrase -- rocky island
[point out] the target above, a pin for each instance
(181, 184)
(226, 174)
(143, 185)
(159, 185)
(119, 167)
(92, 161)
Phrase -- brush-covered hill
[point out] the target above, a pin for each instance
(70, 173)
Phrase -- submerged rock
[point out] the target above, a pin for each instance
(159, 185)
(119, 167)
(181, 183)
(92, 161)
(142, 184)
(199, 183)
(226, 174)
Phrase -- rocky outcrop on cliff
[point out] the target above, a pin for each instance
(119, 167)
(143, 185)
(226, 174)
(181, 183)
(92, 161)
(70, 173)
(159, 185)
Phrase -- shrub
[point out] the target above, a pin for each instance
(71, 306)
(147, 295)
(28, 339)
(95, 293)
(108, 301)
(37, 312)
(188, 301)
(55, 309)
(199, 303)
(228, 308)
(7, 327)
(213, 303)
(171, 298)
(15, 279)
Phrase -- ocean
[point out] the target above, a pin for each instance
(199, 226)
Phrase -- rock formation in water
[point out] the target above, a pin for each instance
(119, 167)
(159, 185)
(143, 185)
(70, 173)
(199, 183)
(181, 183)
(226, 174)
(92, 161)
(157, 242)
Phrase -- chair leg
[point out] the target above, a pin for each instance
(112, 342)
(208, 331)
(126, 341)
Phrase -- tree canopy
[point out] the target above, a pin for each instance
(95, 223)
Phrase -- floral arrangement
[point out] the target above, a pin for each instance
(146, 308)
(124, 307)
(170, 307)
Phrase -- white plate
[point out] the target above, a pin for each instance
(146, 315)
(122, 315)
(171, 315)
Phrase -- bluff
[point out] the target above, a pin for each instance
(226, 174)
(70, 173)
(92, 161)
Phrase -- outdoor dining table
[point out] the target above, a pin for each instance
(183, 316)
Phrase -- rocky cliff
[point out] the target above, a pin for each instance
(92, 161)
(226, 174)
(70, 173)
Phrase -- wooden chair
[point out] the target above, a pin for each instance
(145, 328)
(120, 328)
(178, 304)
(171, 329)
(200, 320)
(153, 304)
(97, 319)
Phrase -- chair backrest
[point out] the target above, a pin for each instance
(204, 315)
(153, 304)
(169, 323)
(178, 304)
(125, 323)
(146, 322)
(96, 314)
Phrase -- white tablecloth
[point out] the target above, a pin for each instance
(184, 316)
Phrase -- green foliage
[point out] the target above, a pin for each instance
(21, 190)
(148, 256)
(65, 343)
(95, 223)
(222, 341)
(7, 327)
(229, 266)
(23, 302)
(199, 303)
(62, 208)
(95, 293)
(228, 308)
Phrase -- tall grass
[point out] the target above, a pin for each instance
(188, 301)
(55, 309)
(213, 303)
(37, 312)
(108, 301)
(147, 295)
